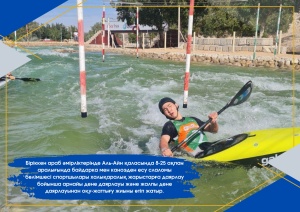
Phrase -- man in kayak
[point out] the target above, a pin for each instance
(179, 127)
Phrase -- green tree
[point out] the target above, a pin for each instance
(222, 22)
(94, 29)
(269, 13)
(36, 31)
(213, 21)
(163, 17)
(22, 32)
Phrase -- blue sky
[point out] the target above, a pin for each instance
(92, 13)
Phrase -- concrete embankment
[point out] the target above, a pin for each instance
(238, 58)
(243, 59)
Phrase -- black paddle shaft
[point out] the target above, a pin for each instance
(239, 98)
(26, 79)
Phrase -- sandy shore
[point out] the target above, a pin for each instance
(240, 58)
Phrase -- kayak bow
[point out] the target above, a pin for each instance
(252, 148)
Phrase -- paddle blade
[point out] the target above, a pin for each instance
(242, 95)
(29, 79)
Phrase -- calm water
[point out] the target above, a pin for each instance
(44, 118)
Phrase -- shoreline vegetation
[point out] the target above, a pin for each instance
(238, 58)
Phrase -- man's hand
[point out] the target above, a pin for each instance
(213, 116)
(167, 152)
(213, 125)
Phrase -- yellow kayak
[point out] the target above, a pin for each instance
(252, 148)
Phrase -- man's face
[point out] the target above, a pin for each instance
(170, 110)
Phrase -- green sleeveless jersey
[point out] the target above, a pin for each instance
(186, 128)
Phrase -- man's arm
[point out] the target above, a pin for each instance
(164, 146)
(9, 75)
(213, 126)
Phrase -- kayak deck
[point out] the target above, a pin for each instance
(220, 145)
(254, 148)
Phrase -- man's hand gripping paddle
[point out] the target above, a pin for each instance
(239, 98)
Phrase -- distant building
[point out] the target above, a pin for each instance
(122, 27)
(117, 27)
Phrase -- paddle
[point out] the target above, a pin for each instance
(239, 98)
(26, 79)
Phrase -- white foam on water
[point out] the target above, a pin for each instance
(127, 71)
(106, 123)
(150, 114)
(142, 131)
(153, 145)
(169, 69)
(50, 52)
(121, 146)
(258, 175)
(273, 84)
(206, 76)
